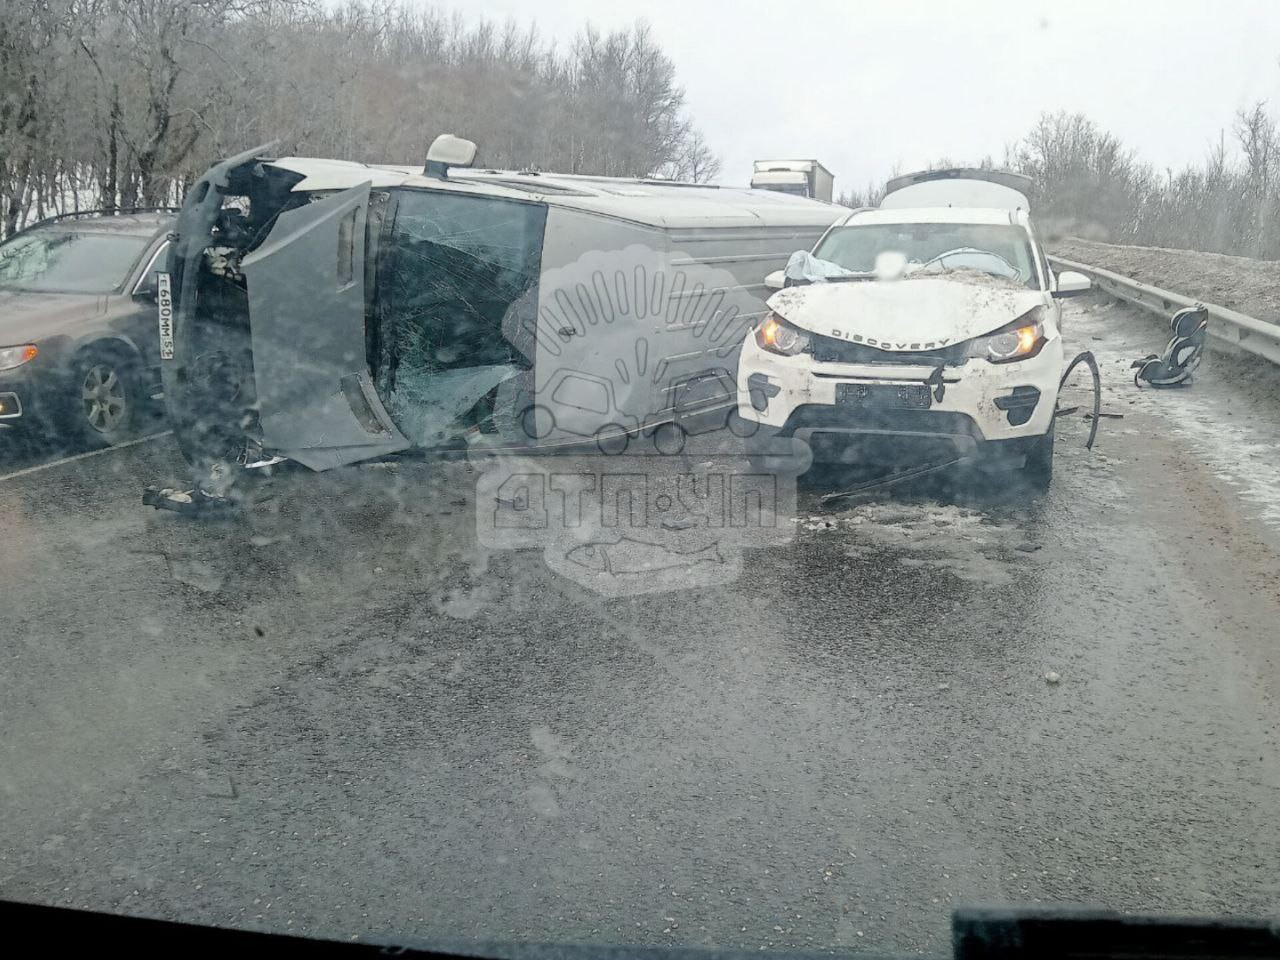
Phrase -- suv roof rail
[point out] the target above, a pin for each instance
(87, 214)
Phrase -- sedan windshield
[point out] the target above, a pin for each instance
(66, 261)
(994, 249)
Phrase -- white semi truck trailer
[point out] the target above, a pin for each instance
(805, 178)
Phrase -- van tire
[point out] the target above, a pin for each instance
(668, 439)
(537, 421)
(741, 427)
(612, 439)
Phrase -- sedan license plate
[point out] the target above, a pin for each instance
(901, 396)
(164, 309)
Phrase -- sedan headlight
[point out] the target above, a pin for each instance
(1018, 340)
(11, 357)
(778, 336)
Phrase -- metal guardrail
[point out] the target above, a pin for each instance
(1243, 332)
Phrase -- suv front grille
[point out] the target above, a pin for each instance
(834, 350)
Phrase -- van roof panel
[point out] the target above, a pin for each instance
(658, 203)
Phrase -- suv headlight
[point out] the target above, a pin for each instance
(1018, 340)
(11, 357)
(778, 336)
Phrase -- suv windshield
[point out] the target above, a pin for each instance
(68, 261)
(995, 249)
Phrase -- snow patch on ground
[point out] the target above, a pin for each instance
(969, 544)
(1244, 460)
(1231, 423)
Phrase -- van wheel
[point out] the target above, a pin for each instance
(1038, 470)
(537, 421)
(741, 427)
(612, 439)
(106, 396)
(668, 439)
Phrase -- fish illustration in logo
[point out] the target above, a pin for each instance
(628, 556)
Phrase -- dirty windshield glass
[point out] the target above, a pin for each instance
(997, 250)
(567, 479)
(63, 261)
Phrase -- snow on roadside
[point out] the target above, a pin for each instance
(1240, 283)
(1229, 417)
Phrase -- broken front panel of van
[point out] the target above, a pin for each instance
(330, 327)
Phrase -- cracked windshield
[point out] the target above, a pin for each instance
(529, 480)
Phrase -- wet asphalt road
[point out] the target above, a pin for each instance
(339, 715)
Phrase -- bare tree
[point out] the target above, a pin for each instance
(696, 162)
(119, 102)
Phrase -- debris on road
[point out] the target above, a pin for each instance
(1088, 360)
(189, 503)
(1051, 678)
(1182, 354)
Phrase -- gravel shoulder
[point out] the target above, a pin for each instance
(1250, 286)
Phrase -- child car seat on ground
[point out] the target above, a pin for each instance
(1181, 356)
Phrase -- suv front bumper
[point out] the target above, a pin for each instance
(980, 401)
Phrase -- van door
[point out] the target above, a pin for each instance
(317, 402)
(458, 284)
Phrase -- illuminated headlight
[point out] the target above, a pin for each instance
(778, 336)
(1015, 341)
(11, 357)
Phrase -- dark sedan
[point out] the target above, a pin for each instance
(79, 350)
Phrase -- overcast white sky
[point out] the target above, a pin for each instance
(870, 86)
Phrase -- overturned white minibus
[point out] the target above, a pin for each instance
(329, 312)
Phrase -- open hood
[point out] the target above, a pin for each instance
(959, 187)
(905, 314)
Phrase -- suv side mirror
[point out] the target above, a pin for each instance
(776, 280)
(1071, 283)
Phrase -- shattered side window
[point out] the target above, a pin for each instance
(455, 265)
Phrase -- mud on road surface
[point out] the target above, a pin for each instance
(338, 715)
(1248, 286)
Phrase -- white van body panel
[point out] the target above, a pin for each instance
(642, 312)
(645, 291)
